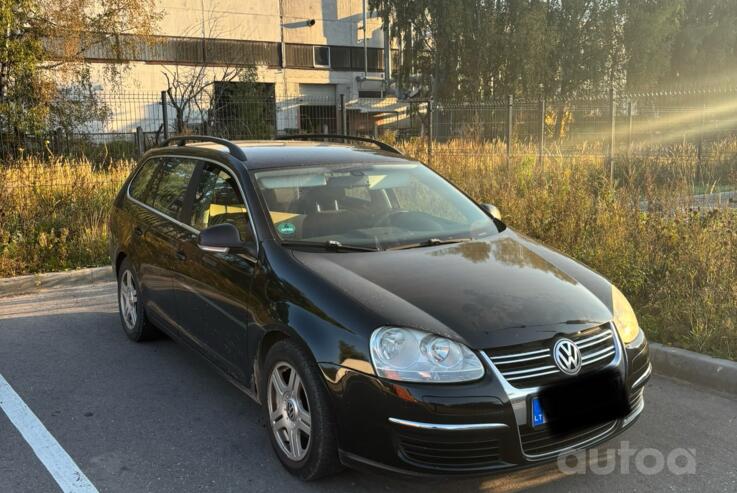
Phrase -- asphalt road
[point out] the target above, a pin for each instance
(154, 417)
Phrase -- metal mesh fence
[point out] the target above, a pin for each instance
(629, 125)
(54, 199)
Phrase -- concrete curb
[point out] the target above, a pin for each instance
(13, 286)
(699, 369)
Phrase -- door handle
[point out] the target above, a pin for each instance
(138, 231)
(181, 255)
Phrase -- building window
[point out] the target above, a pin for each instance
(173, 49)
(375, 58)
(299, 56)
(333, 57)
(235, 52)
(321, 56)
(340, 57)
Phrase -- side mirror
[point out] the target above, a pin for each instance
(492, 210)
(220, 238)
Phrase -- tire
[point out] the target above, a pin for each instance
(305, 399)
(130, 306)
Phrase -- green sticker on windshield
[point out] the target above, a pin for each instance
(286, 228)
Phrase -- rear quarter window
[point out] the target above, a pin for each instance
(139, 187)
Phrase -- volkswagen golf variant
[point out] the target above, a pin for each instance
(380, 316)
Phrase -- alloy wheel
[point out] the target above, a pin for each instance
(289, 411)
(128, 300)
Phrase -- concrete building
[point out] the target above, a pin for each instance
(308, 54)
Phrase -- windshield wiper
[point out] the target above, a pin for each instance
(430, 242)
(329, 245)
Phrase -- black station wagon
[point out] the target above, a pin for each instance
(381, 317)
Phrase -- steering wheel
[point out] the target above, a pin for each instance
(385, 219)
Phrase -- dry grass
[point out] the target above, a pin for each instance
(677, 265)
(53, 215)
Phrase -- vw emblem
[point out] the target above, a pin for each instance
(291, 410)
(567, 356)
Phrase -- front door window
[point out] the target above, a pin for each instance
(217, 200)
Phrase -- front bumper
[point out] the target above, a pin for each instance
(463, 429)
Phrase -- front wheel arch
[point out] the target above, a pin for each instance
(118, 261)
(268, 338)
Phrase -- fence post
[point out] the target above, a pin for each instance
(338, 117)
(59, 140)
(541, 141)
(612, 130)
(140, 143)
(276, 117)
(343, 116)
(508, 130)
(629, 128)
(429, 131)
(165, 114)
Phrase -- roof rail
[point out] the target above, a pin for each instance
(382, 145)
(181, 140)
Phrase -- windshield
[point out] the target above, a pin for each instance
(369, 205)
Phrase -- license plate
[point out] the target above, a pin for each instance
(538, 417)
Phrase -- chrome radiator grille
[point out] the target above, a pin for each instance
(532, 365)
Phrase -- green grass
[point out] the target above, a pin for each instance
(678, 266)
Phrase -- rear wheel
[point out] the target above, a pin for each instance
(301, 425)
(130, 306)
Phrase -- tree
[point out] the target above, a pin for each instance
(21, 90)
(650, 30)
(588, 50)
(42, 55)
(204, 93)
(471, 49)
(192, 90)
(481, 49)
(705, 45)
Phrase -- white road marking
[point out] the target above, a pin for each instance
(63, 469)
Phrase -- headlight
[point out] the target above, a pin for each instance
(624, 317)
(409, 355)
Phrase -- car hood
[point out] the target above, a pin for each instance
(489, 293)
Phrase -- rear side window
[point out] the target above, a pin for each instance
(168, 186)
(139, 186)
